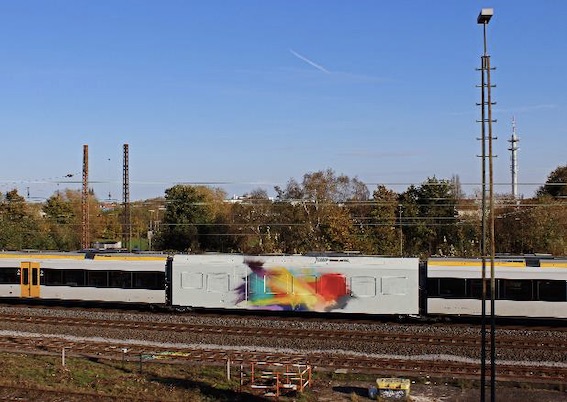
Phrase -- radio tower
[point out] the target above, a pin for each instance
(514, 159)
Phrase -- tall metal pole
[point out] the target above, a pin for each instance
(514, 160)
(483, 231)
(492, 242)
(486, 108)
(85, 241)
(126, 218)
(401, 233)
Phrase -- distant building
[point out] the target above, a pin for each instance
(107, 245)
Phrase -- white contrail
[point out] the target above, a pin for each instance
(305, 59)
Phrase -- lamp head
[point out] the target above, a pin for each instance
(485, 16)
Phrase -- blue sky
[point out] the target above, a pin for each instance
(253, 93)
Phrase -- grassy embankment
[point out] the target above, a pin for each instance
(42, 377)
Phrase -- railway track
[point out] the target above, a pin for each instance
(503, 341)
(51, 334)
(143, 354)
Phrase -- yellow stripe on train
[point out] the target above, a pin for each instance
(553, 264)
(100, 257)
(37, 256)
(476, 263)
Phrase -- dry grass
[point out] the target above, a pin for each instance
(90, 379)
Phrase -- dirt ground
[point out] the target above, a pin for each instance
(333, 392)
(434, 392)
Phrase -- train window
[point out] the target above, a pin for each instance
(73, 277)
(120, 279)
(474, 288)
(515, 289)
(25, 276)
(102, 279)
(52, 277)
(452, 288)
(148, 280)
(97, 279)
(35, 276)
(9, 276)
(432, 287)
(532, 262)
(552, 290)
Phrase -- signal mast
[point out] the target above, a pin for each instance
(514, 159)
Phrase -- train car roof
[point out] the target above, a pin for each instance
(80, 255)
(529, 260)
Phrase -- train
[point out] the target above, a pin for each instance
(532, 287)
(96, 277)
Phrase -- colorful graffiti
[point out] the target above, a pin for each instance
(301, 289)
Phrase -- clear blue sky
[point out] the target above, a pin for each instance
(253, 93)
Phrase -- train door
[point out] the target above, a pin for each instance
(29, 279)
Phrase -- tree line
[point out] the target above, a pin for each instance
(322, 212)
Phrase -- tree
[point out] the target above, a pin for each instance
(63, 217)
(293, 233)
(384, 228)
(430, 224)
(315, 214)
(251, 225)
(457, 188)
(213, 233)
(20, 224)
(62, 222)
(194, 219)
(556, 184)
(467, 240)
(414, 229)
(534, 226)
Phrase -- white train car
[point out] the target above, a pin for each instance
(118, 278)
(533, 288)
(341, 284)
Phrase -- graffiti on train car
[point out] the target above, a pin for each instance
(285, 289)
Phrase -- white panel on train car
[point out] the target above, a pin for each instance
(218, 282)
(395, 285)
(504, 308)
(103, 294)
(363, 286)
(190, 280)
(300, 283)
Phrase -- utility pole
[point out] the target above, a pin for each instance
(514, 159)
(126, 218)
(401, 232)
(486, 122)
(85, 241)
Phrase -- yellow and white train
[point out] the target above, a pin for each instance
(119, 278)
(525, 287)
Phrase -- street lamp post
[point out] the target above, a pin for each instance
(486, 122)
(401, 232)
